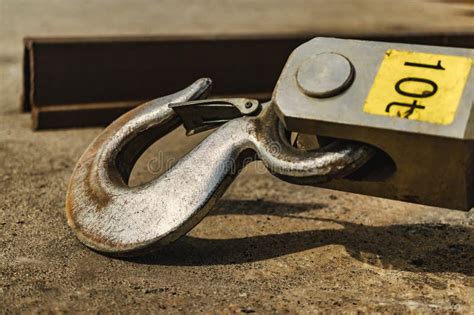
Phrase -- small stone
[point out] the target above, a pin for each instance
(247, 310)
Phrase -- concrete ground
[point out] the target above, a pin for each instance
(268, 246)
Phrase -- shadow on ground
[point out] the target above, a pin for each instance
(409, 247)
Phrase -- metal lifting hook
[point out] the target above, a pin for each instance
(109, 216)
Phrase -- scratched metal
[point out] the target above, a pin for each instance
(109, 216)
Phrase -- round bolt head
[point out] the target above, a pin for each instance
(325, 75)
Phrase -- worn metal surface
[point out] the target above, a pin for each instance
(90, 81)
(413, 147)
(307, 114)
(324, 75)
(113, 218)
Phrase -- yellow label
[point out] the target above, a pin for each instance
(419, 86)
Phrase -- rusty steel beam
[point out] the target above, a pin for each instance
(89, 81)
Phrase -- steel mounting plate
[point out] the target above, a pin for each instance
(306, 114)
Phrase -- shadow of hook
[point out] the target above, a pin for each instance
(407, 247)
